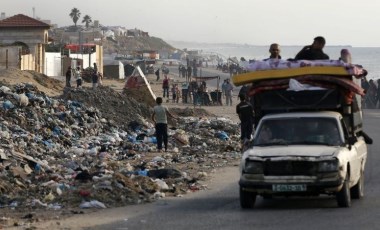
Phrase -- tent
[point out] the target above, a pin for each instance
(113, 69)
(215, 96)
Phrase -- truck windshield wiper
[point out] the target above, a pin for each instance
(310, 143)
(272, 143)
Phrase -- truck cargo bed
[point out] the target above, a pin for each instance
(280, 101)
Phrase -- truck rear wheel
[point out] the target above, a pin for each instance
(247, 199)
(343, 197)
(357, 191)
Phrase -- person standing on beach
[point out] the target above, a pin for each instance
(78, 77)
(183, 72)
(174, 92)
(313, 51)
(157, 73)
(189, 71)
(159, 117)
(95, 79)
(228, 92)
(165, 86)
(68, 77)
(224, 87)
(245, 112)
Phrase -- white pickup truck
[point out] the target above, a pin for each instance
(303, 153)
(299, 150)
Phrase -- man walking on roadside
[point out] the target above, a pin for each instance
(160, 120)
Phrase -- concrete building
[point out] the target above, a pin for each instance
(30, 35)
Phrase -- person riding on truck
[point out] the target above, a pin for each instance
(245, 111)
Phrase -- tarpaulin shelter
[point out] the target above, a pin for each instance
(138, 87)
(215, 96)
(207, 78)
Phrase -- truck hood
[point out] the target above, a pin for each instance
(295, 150)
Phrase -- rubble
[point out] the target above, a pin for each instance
(96, 149)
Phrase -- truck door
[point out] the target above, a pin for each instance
(354, 158)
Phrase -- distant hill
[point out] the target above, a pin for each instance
(123, 44)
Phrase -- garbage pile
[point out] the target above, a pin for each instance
(89, 151)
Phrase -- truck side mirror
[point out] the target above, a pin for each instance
(367, 139)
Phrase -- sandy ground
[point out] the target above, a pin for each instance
(220, 111)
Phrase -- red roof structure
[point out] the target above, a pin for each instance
(76, 47)
(20, 21)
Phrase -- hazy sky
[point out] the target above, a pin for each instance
(255, 22)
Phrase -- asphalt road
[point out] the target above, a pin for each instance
(218, 208)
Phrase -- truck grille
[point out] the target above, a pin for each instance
(289, 168)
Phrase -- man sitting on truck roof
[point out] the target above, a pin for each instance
(313, 51)
(274, 51)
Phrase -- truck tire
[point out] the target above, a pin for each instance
(247, 199)
(343, 197)
(357, 191)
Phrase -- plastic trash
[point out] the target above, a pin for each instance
(92, 204)
(142, 172)
(8, 105)
(37, 168)
(222, 135)
(150, 140)
(37, 202)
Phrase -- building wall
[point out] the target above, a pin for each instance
(9, 57)
(34, 39)
(53, 64)
(56, 65)
(27, 62)
(31, 37)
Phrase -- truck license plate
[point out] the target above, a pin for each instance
(289, 187)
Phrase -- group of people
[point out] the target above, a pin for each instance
(96, 77)
(310, 52)
(191, 92)
(371, 99)
(185, 72)
(77, 73)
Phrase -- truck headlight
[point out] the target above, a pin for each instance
(328, 166)
(254, 167)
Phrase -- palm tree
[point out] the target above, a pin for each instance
(87, 20)
(75, 15)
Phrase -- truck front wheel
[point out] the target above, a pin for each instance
(343, 197)
(247, 199)
(357, 191)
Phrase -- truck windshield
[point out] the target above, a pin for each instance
(298, 131)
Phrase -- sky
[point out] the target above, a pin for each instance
(253, 22)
